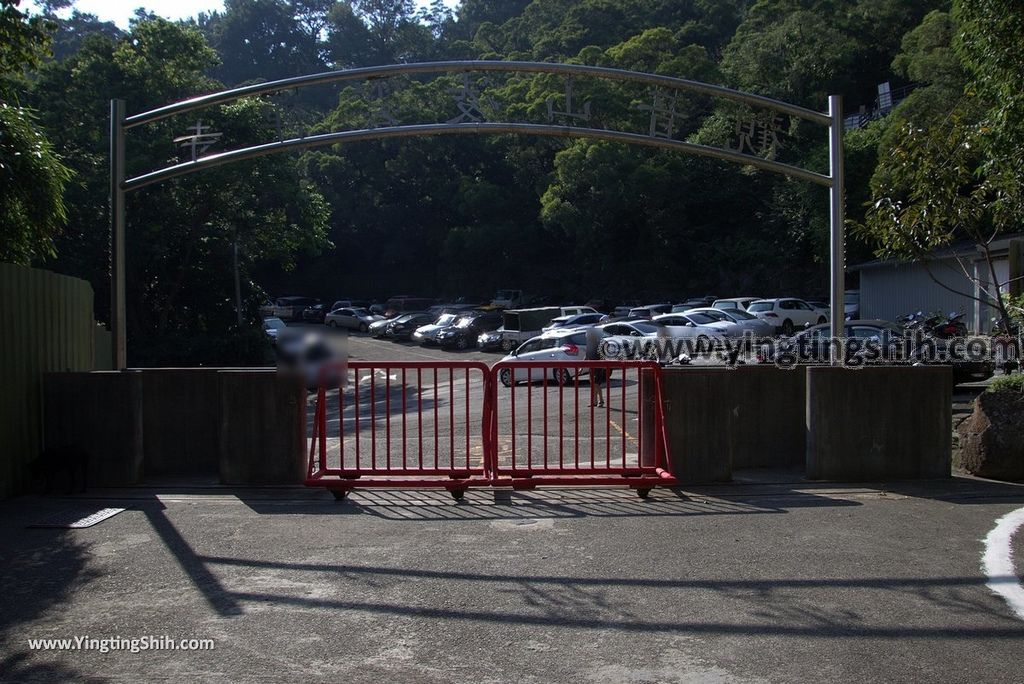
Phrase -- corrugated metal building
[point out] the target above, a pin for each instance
(46, 324)
(891, 288)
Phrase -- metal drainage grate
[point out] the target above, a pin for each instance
(78, 518)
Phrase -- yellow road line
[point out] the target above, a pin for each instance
(621, 431)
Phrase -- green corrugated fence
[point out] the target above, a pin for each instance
(46, 324)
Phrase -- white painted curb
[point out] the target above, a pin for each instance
(998, 561)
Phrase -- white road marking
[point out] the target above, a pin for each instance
(998, 561)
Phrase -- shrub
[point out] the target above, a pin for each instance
(1008, 383)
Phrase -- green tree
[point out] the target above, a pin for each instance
(180, 233)
(32, 176)
(264, 40)
(955, 172)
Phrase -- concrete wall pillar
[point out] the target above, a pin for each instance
(262, 427)
(719, 419)
(876, 424)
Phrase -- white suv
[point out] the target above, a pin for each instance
(558, 345)
(787, 314)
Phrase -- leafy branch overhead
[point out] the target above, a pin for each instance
(953, 157)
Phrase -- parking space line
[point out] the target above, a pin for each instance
(622, 432)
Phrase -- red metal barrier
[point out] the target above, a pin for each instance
(459, 424)
(403, 424)
(546, 428)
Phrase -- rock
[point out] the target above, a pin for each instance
(992, 438)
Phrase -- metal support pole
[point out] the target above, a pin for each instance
(238, 281)
(837, 201)
(117, 257)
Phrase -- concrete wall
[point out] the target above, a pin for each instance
(244, 426)
(879, 423)
(719, 419)
(99, 415)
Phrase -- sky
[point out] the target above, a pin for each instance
(120, 11)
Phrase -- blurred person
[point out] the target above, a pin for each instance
(598, 376)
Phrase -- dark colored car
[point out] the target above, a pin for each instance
(463, 333)
(491, 341)
(405, 325)
(315, 313)
(649, 311)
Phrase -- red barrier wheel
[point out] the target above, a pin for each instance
(642, 493)
(458, 494)
(339, 494)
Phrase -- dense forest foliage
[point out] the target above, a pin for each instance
(463, 216)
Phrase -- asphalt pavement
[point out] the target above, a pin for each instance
(748, 583)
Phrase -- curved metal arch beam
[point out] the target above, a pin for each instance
(474, 65)
(323, 139)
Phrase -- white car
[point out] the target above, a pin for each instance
(583, 320)
(559, 345)
(740, 321)
(730, 303)
(787, 314)
(694, 326)
(693, 323)
(352, 319)
(632, 339)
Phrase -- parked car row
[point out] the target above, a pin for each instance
(814, 346)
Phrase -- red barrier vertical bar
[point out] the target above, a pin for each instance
(373, 420)
(321, 407)
(576, 415)
(660, 417)
(387, 409)
(607, 417)
(437, 434)
(451, 417)
(483, 437)
(341, 423)
(593, 426)
(419, 412)
(529, 418)
(639, 416)
(545, 388)
(355, 408)
(405, 413)
(625, 423)
(561, 424)
(658, 446)
(512, 425)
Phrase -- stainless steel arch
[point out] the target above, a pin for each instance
(119, 123)
(473, 65)
(320, 140)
